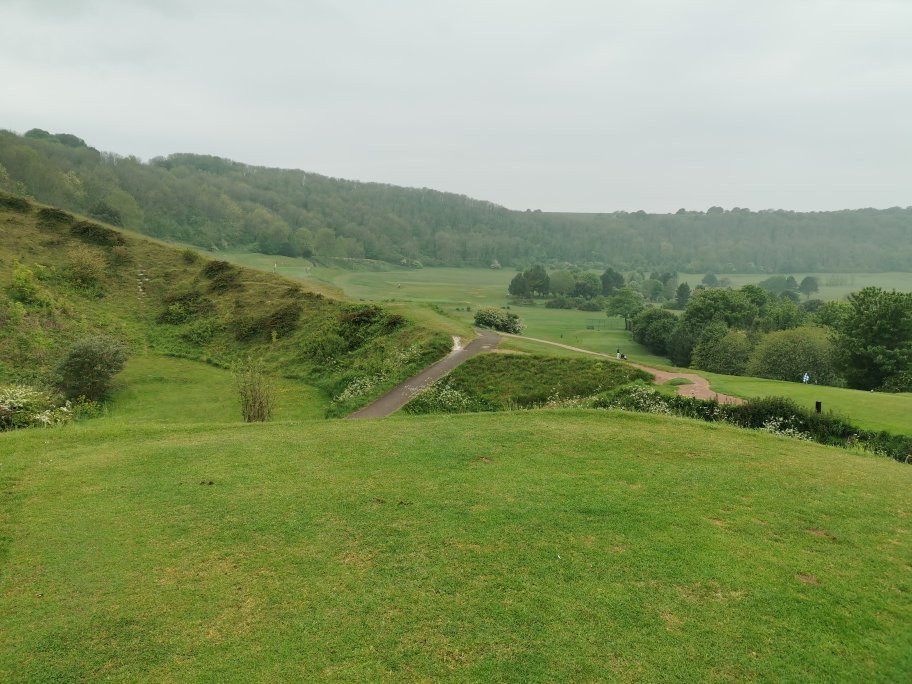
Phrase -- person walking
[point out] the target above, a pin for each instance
(806, 378)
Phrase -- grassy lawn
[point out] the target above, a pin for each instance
(531, 546)
(873, 410)
(160, 388)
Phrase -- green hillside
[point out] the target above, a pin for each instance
(63, 277)
(527, 546)
(218, 203)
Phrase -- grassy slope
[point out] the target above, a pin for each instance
(32, 346)
(496, 382)
(544, 545)
(455, 288)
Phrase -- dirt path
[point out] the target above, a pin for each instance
(699, 387)
(402, 393)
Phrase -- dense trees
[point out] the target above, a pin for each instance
(213, 202)
(874, 340)
(865, 342)
(653, 327)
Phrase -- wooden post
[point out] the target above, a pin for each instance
(818, 405)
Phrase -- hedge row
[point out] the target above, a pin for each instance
(774, 414)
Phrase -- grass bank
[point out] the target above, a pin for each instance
(551, 545)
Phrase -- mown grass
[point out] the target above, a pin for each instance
(175, 391)
(532, 546)
(497, 382)
(871, 410)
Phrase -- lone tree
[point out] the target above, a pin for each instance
(538, 280)
(611, 281)
(711, 280)
(873, 344)
(809, 286)
(682, 295)
(519, 286)
(625, 302)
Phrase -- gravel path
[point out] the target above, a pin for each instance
(487, 341)
(401, 394)
(699, 387)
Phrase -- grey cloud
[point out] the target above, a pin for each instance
(588, 106)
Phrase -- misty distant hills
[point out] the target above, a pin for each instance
(222, 204)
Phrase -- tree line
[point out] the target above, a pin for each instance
(864, 342)
(221, 204)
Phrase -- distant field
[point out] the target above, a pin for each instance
(522, 546)
(832, 285)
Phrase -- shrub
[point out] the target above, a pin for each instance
(182, 305)
(214, 268)
(53, 218)
(727, 354)
(120, 256)
(280, 322)
(777, 415)
(283, 320)
(22, 406)
(201, 332)
(26, 289)
(789, 354)
(560, 303)
(256, 391)
(90, 366)
(440, 397)
(359, 323)
(14, 203)
(223, 276)
(191, 256)
(84, 268)
(96, 234)
(498, 319)
(901, 382)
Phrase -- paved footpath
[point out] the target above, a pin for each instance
(401, 394)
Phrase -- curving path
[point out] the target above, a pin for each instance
(699, 387)
(402, 393)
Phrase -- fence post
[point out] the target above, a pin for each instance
(818, 405)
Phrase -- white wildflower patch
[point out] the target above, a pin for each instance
(22, 406)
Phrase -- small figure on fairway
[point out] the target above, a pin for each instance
(806, 378)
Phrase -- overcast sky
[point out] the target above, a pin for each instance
(576, 106)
